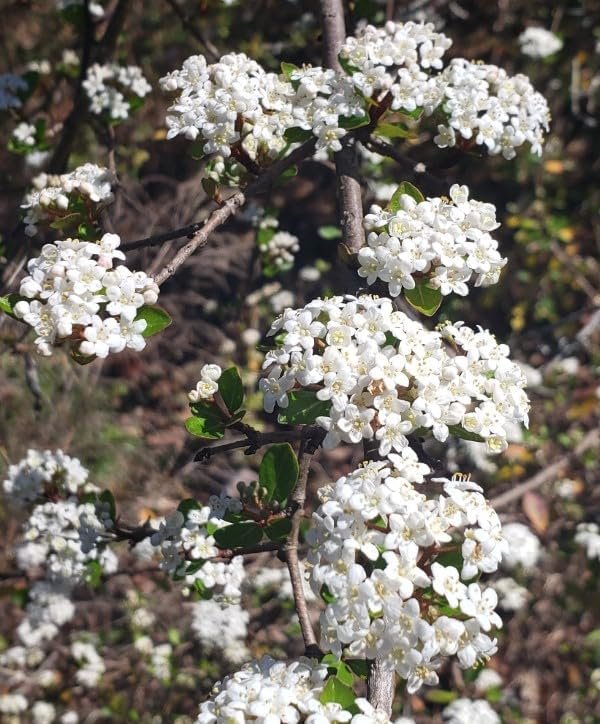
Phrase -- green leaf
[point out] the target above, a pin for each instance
(393, 130)
(188, 504)
(359, 667)
(93, 573)
(238, 535)
(351, 122)
(278, 472)
(404, 188)
(210, 186)
(326, 594)
(424, 298)
(329, 232)
(209, 428)
(231, 389)
(107, 497)
(297, 134)
(81, 359)
(203, 591)
(303, 408)
(338, 668)
(440, 696)
(287, 69)
(7, 304)
(347, 66)
(459, 431)
(278, 530)
(156, 319)
(337, 692)
(415, 115)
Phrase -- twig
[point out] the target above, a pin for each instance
(349, 191)
(591, 440)
(157, 239)
(230, 206)
(291, 552)
(406, 163)
(209, 49)
(253, 440)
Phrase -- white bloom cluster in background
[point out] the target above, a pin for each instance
(55, 196)
(10, 85)
(524, 547)
(277, 247)
(447, 242)
(482, 102)
(25, 133)
(373, 551)
(50, 540)
(511, 595)
(40, 474)
(222, 629)
(539, 42)
(207, 385)
(587, 535)
(382, 375)
(270, 691)
(189, 552)
(113, 89)
(96, 9)
(91, 666)
(470, 711)
(76, 294)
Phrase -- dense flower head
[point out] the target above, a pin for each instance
(55, 196)
(382, 375)
(207, 385)
(539, 42)
(112, 89)
(189, 551)
(524, 547)
(76, 293)
(483, 103)
(45, 473)
(374, 549)
(273, 692)
(89, 661)
(470, 711)
(445, 241)
(588, 536)
(222, 629)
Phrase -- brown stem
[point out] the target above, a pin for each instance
(253, 440)
(291, 551)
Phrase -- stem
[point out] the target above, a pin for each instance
(254, 440)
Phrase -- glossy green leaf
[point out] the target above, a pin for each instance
(337, 692)
(287, 69)
(459, 431)
(404, 188)
(238, 535)
(279, 530)
(393, 130)
(303, 408)
(329, 232)
(297, 134)
(424, 298)
(231, 389)
(156, 319)
(188, 504)
(278, 472)
(7, 304)
(351, 122)
(208, 429)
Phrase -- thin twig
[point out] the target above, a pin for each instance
(591, 440)
(405, 162)
(230, 206)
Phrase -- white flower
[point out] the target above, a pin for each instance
(539, 42)
(588, 536)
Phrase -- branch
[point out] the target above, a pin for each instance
(591, 440)
(349, 191)
(230, 206)
(250, 441)
(291, 551)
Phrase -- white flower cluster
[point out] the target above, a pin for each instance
(76, 294)
(396, 59)
(524, 547)
(588, 536)
(383, 376)
(91, 666)
(25, 133)
(482, 102)
(511, 596)
(10, 85)
(207, 385)
(222, 629)
(279, 247)
(446, 242)
(54, 196)
(374, 544)
(271, 692)
(539, 42)
(41, 474)
(112, 88)
(470, 711)
(189, 551)
(236, 101)
(95, 8)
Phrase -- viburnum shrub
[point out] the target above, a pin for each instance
(397, 554)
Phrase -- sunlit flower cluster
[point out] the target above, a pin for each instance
(190, 554)
(524, 547)
(221, 628)
(272, 691)
(377, 547)
(91, 666)
(483, 103)
(382, 376)
(114, 89)
(76, 294)
(469, 711)
(539, 42)
(588, 536)
(10, 86)
(25, 133)
(444, 241)
(207, 385)
(87, 187)
(277, 247)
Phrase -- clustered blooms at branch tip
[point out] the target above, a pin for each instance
(87, 188)
(115, 90)
(390, 595)
(383, 376)
(446, 242)
(77, 295)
